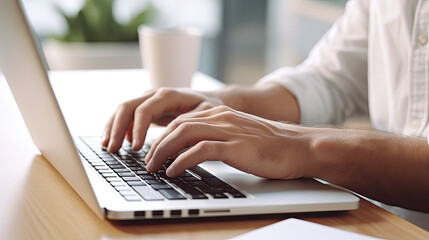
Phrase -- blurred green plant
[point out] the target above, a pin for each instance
(95, 23)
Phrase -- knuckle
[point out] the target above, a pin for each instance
(165, 91)
(206, 105)
(204, 146)
(126, 106)
(140, 109)
(184, 128)
(177, 122)
(223, 108)
(226, 116)
(123, 106)
(207, 146)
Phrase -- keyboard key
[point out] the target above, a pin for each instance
(93, 159)
(168, 163)
(120, 170)
(154, 181)
(212, 181)
(114, 166)
(127, 161)
(122, 188)
(185, 174)
(118, 184)
(219, 195)
(193, 192)
(126, 179)
(104, 155)
(190, 178)
(108, 158)
(148, 193)
(106, 175)
(205, 188)
(132, 198)
(114, 179)
(237, 194)
(95, 164)
(136, 183)
(147, 177)
(201, 172)
(126, 174)
(139, 168)
(160, 174)
(138, 154)
(135, 164)
(198, 196)
(122, 153)
(141, 160)
(105, 171)
(126, 158)
(160, 186)
(171, 194)
(128, 192)
(111, 162)
(105, 167)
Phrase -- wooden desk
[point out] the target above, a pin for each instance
(37, 203)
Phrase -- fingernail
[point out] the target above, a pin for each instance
(111, 145)
(147, 159)
(149, 166)
(134, 144)
(104, 141)
(170, 171)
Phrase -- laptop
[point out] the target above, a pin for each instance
(117, 186)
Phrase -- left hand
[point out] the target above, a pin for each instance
(249, 143)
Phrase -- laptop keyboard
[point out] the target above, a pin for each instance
(126, 172)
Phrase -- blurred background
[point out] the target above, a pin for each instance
(243, 39)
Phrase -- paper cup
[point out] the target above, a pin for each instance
(171, 55)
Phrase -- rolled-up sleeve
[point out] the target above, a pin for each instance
(331, 85)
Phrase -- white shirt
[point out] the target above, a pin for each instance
(375, 60)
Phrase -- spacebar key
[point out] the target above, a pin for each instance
(148, 193)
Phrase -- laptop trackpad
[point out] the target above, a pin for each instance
(259, 187)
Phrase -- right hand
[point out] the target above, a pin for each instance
(159, 106)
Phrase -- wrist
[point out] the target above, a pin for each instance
(271, 101)
(333, 151)
(234, 97)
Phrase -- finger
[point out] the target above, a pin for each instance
(106, 133)
(201, 152)
(163, 102)
(187, 134)
(129, 134)
(206, 112)
(122, 122)
(202, 116)
(170, 128)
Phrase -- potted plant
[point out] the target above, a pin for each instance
(95, 39)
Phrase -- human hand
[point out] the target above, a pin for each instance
(160, 106)
(249, 143)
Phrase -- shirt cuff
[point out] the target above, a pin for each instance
(311, 93)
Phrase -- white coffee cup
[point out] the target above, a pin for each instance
(171, 55)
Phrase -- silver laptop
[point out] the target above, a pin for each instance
(117, 186)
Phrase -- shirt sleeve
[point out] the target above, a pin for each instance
(331, 84)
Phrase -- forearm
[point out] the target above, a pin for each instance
(390, 169)
(271, 101)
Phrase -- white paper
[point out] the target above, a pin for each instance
(301, 230)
